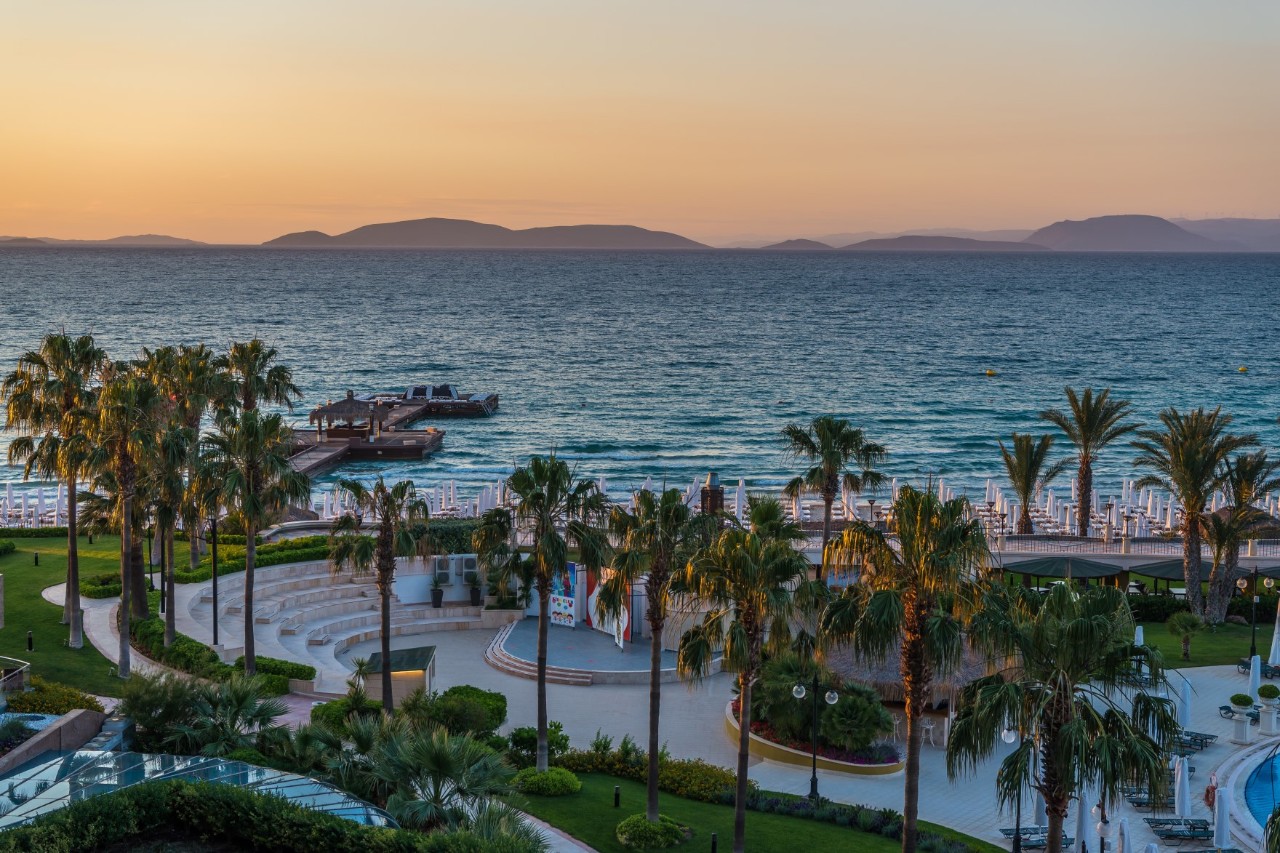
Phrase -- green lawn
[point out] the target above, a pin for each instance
(25, 610)
(1224, 645)
(590, 817)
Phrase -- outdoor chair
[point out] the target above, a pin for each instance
(1186, 833)
(1228, 712)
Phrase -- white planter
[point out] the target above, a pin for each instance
(1242, 735)
(1267, 721)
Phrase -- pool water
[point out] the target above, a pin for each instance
(1262, 790)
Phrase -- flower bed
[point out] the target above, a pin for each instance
(879, 759)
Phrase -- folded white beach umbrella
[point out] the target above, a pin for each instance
(740, 500)
(1083, 840)
(1274, 657)
(1222, 821)
(1151, 848)
(1182, 789)
(1184, 704)
(1124, 844)
(1138, 636)
(648, 483)
(1255, 676)
(602, 485)
(1040, 811)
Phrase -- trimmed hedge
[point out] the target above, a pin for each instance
(693, 779)
(275, 666)
(233, 815)
(231, 560)
(49, 697)
(1155, 608)
(100, 586)
(34, 532)
(7, 547)
(453, 535)
(554, 782)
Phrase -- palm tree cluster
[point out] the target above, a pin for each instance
(131, 431)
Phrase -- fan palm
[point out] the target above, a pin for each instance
(49, 398)
(561, 511)
(839, 456)
(1188, 457)
(494, 543)
(1068, 654)
(1091, 423)
(249, 455)
(745, 582)
(916, 595)
(653, 541)
(1246, 478)
(129, 407)
(396, 516)
(250, 376)
(1029, 471)
(439, 779)
(1184, 625)
(228, 715)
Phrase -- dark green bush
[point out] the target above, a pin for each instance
(639, 833)
(100, 586)
(33, 532)
(524, 744)
(1242, 605)
(554, 782)
(185, 654)
(7, 547)
(464, 708)
(1155, 608)
(333, 715)
(693, 779)
(231, 559)
(276, 666)
(452, 535)
(49, 697)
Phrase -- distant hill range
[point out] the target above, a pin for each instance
(435, 233)
(1259, 235)
(1127, 233)
(917, 243)
(150, 241)
(797, 246)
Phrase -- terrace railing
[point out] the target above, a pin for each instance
(15, 673)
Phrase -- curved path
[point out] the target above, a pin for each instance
(692, 723)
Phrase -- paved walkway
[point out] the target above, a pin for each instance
(582, 647)
(693, 725)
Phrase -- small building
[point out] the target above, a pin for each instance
(410, 669)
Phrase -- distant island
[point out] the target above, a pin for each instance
(1127, 233)
(916, 243)
(144, 241)
(436, 233)
(796, 246)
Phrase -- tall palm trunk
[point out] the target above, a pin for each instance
(1056, 792)
(126, 559)
(386, 573)
(744, 754)
(167, 571)
(827, 501)
(140, 608)
(250, 554)
(1085, 477)
(544, 625)
(1221, 586)
(656, 624)
(916, 677)
(72, 611)
(1191, 562)
(1024, 519)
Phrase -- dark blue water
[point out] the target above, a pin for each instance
(673, 364)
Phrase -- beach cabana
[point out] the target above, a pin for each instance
(350, 418)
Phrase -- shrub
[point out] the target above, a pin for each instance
(157, 707)
(276, 666)
(554, 782)
(13, 732)
(452, 535)
(1242, 605)
(231, 559)
(695, 779)
(1242, 700)
(524, 744)
(638, 833)
(601, 744)
(1155, 608)
(855, 720)
(7, 547)
(184, 653)
(100, 586)
(333, 715)
(49, 697)
(33, 532)
(1268, 691)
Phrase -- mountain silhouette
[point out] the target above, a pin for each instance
(1125, 233)
(436, 233)
(922, 243)
(799, 245)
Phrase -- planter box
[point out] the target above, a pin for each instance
(784, 754)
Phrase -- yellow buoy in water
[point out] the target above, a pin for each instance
(991, 372)
(1242, 369)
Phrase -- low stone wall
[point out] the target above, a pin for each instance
(490, 619)
(786, 755)
(70, 732)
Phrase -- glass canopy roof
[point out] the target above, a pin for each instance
(56, 780)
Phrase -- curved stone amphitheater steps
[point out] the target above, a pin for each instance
(498, 658)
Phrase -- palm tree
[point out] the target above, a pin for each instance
(1184, 625)
(1029, 471)
(653, 541)
(250, 377)
(917, 596)
(123, 435)
(227, 716)
(1091, 424)
(746, 584)
(839, 455)
(250, 454)
(1188, 458)
(439, 779)
(1069, 653)
(562, 512)
(1246, 478)
(49, 397)
(767, 518)
(396, 515)
(162, 473)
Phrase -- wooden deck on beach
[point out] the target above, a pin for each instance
(400, 444)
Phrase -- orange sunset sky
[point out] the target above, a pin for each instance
(239, 121)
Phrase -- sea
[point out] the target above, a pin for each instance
(671, 365)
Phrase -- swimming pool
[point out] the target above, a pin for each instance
(1262, 790)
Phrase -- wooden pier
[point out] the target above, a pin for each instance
(316, 455)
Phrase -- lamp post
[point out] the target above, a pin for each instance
(831, 697)
(1009, 736)
(1242, 584)
(213, 541)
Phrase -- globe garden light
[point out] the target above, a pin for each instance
(1241, 584)
(798, 691)
(1269, 583)
(832, 697)
(1008, 735)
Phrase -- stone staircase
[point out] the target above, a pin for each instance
(496, 656)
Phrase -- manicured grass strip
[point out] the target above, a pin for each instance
(1225, 644)
(25, 610)
(590, 817)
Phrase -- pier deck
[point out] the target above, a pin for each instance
(312, 457)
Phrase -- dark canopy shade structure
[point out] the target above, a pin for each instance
(349, 411)
(1064, 567)
(404, 660)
